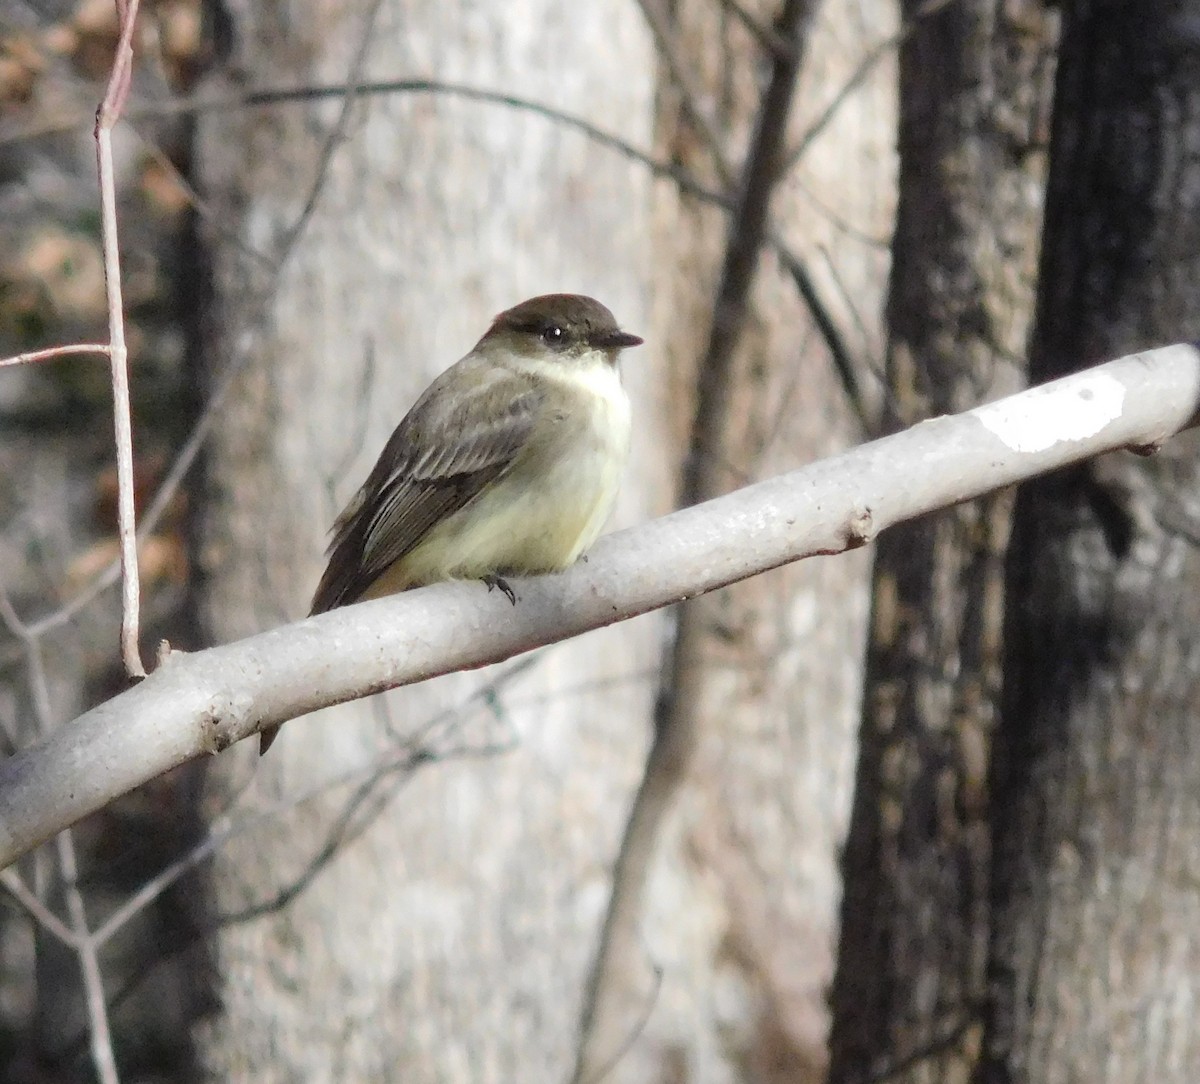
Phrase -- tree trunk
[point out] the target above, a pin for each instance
(975, 84)
(449, 939)
(446, 934)
(1095, 956)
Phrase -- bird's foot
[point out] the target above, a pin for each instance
(506, 590)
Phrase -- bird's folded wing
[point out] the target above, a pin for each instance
(445, 451)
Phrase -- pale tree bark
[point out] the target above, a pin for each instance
(448, 940)
(451, 941)
(746, 796)
(975, 84)
(1095, 957)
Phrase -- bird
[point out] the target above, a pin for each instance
(509, 463)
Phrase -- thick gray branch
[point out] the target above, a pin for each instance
(203, 702)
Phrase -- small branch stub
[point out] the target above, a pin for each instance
(860, 528)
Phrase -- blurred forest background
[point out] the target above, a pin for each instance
(924, 813)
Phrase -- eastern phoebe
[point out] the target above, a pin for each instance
(509, 463)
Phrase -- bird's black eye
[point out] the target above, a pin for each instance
(553, 335)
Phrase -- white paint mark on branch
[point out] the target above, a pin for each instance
(1041, 417)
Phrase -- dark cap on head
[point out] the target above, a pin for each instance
(565, 320)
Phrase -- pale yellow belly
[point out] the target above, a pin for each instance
(538, 518)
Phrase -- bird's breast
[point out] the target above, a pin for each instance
(552, 503)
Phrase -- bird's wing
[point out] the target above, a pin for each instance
(439, 458)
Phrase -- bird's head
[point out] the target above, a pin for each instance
(564, 328)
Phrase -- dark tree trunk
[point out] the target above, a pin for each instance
(974, 92)
(1095, 952)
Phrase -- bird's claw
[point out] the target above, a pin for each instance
(505, 587)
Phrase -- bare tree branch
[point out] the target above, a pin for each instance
(654, 12)
(106, 117)
(843, 362)
(38, 911)
(76, 933)
(49, 353)
(337, 134)
(747, 232)
(683, 179)
(103, 1058)
(770, 40)
(202, 703)
(274, 262)
(857, 77)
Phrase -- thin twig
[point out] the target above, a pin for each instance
(747, 232)
(38, 911)
(656, 19)
(416, 751)
(349, 93)
(103, 1058)
(76, 934)
(198, 203)
(856, 79)
(39, 685)
(292, 95)
(683, 179)
(50, 352)
(766, 36)
(635, 1032)
(106, 116)
(195, 441)
(843, 362)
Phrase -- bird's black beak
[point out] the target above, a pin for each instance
(616, 340)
